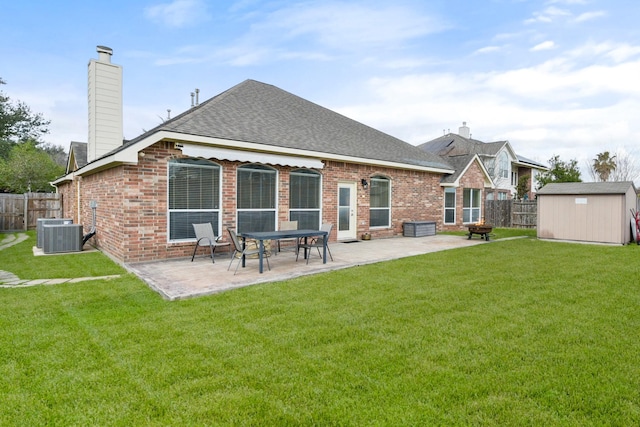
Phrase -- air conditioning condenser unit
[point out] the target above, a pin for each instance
(62, 238)
(41, 222)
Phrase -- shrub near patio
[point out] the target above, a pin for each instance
(514, 332)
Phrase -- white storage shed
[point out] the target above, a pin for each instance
(587, 211)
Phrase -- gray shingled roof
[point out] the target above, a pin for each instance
(79, 150)
(264, 114)
(459, 163)
(453, 144)
(583, 188)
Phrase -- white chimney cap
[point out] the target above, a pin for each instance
(104, 53)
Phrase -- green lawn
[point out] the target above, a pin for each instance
(517, 332)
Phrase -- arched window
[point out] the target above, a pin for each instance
(380, 202)
(503, 165)
(256, 196)
(304, 198)
(193, 196)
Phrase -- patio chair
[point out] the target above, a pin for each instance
(288, 225)
(317, 242)
(239, 253)
(206, 237)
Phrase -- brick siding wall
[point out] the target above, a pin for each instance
(473, 178)
(131, 217)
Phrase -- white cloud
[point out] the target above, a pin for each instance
(179, 13)
(567, 2)
(547, 45)
(620, 52)
(548, 15)
(352, 25)
(588, 16)
(487, 49)
(555, 107)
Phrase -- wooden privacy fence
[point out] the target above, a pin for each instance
(511, 213)
(14, 208)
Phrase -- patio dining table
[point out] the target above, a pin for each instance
(261, 236)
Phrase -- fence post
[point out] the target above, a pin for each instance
(26, 212)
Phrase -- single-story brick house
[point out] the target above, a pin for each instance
(247, 159)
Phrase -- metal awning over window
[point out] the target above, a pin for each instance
(249, 156)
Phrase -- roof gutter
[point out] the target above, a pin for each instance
(129, 154)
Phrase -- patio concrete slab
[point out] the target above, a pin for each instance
(181, 278)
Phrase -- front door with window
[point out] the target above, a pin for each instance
(347, 209)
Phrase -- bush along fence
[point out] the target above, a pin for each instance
(511, 213)
(21, 211)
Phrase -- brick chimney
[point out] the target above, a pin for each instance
(105, 105)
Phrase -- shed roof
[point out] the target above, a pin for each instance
(583, 188)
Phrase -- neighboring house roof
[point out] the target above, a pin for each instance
(77, 156)
(531, 163)
(454, 145)
(461, 163)
(450, 144)
(584, 188)
(273, 119)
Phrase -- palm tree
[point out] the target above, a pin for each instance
(603, 165)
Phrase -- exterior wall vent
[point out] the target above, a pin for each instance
(41, 222)
(62, 238)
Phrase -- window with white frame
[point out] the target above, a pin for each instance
(193, 196)
(514, 178)
(470, 205)
(256, 197)
(449, 205)
(503, 165)
(304, 198)
(380, 202)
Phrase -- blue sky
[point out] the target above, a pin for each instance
(551, 76)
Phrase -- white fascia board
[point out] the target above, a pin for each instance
(530, 166)
(250, 146)
(511, 151)
(129, 155)
(62, 179)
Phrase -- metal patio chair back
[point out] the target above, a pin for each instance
(288, 225)
(239, 253)
(206, 237)
(317, 242)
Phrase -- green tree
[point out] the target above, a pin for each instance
(56, 153)
(560, 171)
(28, 168)
(522, 189)
(18, 124)
(603, 166)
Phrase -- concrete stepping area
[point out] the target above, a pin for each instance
(10, 280)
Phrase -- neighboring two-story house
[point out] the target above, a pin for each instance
(505, 167)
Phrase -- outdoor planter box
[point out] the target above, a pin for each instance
(419, 228)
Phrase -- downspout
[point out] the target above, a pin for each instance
(78, 200)
(93, 204)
